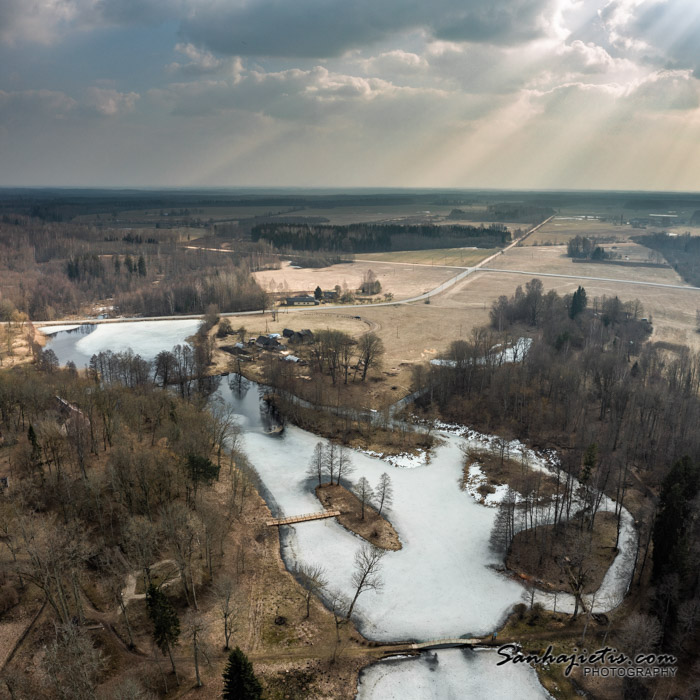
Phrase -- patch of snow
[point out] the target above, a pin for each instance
(405, 460)
(449, 673)
(476, 479)
(51, 330)
(513, 353)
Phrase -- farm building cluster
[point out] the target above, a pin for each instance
(273, 342)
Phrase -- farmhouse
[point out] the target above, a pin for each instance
(267, 343)
(305, 300)
(301, 337)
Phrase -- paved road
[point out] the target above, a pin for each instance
(479, 267)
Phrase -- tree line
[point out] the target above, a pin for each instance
(619, 410)
(51, 269)
(367, 238)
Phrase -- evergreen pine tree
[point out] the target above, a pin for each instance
(142, 266)
(579, 302)
(240, 682)
(166, 624)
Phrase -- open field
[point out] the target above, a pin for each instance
(562, 229)
(400, 280)
(463, 257)
(411, 334)
(553, 259)
(672, 311)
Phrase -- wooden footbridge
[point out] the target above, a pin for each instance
(293, 519)
(447, 643)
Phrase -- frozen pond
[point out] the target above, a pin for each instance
(440, 584)
(145, 338)
(450, 674)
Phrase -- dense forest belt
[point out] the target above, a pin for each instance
(682, 253)
(369, 238)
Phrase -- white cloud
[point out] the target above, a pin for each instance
(395, 62)
(288, 94)
(109, 102)
(202, 62)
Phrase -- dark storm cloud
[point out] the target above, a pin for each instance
(320, 28)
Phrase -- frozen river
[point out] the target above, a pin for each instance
(440, 584)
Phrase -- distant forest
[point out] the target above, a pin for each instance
(682, 252)
(48, 270)
(515, 212)
(372, 238)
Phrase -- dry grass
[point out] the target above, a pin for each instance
(526, 559)
(381, 212)
(672, 311)
(400, 280)
(561, 230)
(376, 529)
(509, 471)
(554, 260)
(463, 257)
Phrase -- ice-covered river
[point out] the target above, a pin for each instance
(440, 584)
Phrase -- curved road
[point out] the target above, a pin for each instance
(466, 271)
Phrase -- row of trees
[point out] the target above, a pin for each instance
(586, 248)
(332, 462)
(368, 237)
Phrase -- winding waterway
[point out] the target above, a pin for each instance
(442, 583)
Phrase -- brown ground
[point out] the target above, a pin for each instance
(402, 281)
(524, 557)
(553, 259)
(510, 471)
(298, 659)
(672, 311)
(15, 343)
(374, 528)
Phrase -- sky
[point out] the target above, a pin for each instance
(531, 94)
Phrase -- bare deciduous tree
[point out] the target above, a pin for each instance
(224, 593)
(344, 465)
(366, 576)
(384, 492)
(370, 349)
(72, 664)
(639, 632)
(364, 492)
(315, 469)
(313, 578)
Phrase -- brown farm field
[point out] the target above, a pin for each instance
(462, 257)
(561, 229)
(417, 332)
(402, 281)
(672, 311)
(553, 260)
